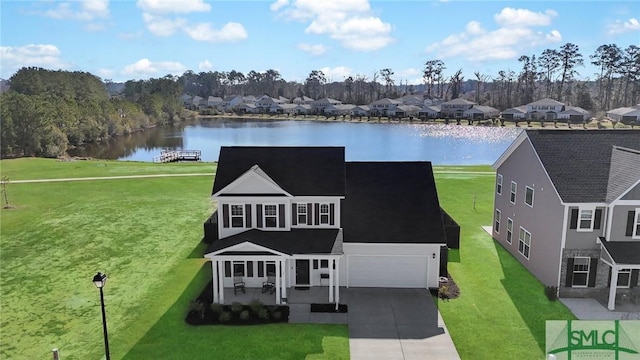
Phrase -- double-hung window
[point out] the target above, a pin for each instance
(499, 184)
(324, 214)
(271, 216)
(524, 244)
(302, 214)
(636, 225)
(509, 230)
(514, 189)
(624, 278)
(237, 215)
(585, 219)
(528, 196)
(496, 225)
(580, 271)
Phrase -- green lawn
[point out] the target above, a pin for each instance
(145, 234)
(502, 309)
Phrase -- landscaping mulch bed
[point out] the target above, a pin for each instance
(203, 312)
(329, 308)
(448, 290)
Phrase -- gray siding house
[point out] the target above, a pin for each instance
(567, 206)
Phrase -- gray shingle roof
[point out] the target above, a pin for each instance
(391, 202)
(304, 170)
(623, 252)
(578, 161)
(625, 171)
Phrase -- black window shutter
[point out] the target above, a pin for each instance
(281, 215)
(259, 215)
(247, 215)
(332, 214)
(294, 214)
(227, 269)
(631, 216)
(574, 219)
(598, 219)
(317, 213)
(569, 279)
(634, 277)
(225, 215)
(593, 271)
(309, 216)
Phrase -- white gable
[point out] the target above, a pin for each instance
(244, 247)
(254, 181)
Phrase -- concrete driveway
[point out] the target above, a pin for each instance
(395, 324)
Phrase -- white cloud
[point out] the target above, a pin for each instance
(145, 67)
(205, 65)
(510, 17)
(317, 49)
(204, 32)
(173, 6)
(514, 36)
(349, 22)
(105, 73)
(86, 11)
(619, 26)
(337, 73)
(41, 55)
(162, 26)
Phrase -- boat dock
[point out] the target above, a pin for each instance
(177, 155)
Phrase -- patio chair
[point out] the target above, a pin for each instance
(269, 285)
(238, 284)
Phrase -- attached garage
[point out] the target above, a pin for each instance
(387, 271)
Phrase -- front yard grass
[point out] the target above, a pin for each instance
(502, 308)
(145, 234)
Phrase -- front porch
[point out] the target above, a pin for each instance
(313, 295)
(623, 258)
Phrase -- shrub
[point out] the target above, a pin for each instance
(551, 292)
(216, 309)
(263, 314)
(255, 305)
(244, 315)
(198, 307)
(224, 317)
(276, 315)
(236, 307)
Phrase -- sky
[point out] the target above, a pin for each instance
(124, 40)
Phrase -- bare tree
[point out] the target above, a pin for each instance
(570, 59)
(549, 62)
(389, 83)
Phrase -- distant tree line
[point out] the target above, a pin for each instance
(45, 112)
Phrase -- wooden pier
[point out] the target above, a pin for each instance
(177, 155)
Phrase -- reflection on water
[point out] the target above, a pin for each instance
(441, 144)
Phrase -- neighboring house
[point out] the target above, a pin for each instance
(247, 108)
(480, 112)
(303, 100)
(186, 100)
(195, 102)
(265, 103)
(302, 109)
(283, 108)
(231, 101)
(320, 104)
(575, 114)
(339, 109)
(455, 108)
(360, 110)
(213, 102)
(545, 109)
(625, 115)
(404, 111)
(384, 106)
(430, 112)
(567, 206)
(306, 218)
(411, 100)
(519, 112)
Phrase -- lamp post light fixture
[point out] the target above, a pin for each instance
(100, 280)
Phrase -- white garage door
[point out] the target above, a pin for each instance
(388, 271)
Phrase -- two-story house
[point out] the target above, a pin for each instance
(305, 217)
(384, 106)
(456, 107)
(319, 105)
(567, 206)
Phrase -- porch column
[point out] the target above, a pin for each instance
(283, 287)
(331, 262)
(337, 293)
(214, 275)
(221, 281)
(612, 288)
(278, 276)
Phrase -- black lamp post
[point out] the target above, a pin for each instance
(99, 281)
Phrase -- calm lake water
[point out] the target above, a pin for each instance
(440, 144)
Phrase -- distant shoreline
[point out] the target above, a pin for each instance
(605, 124)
